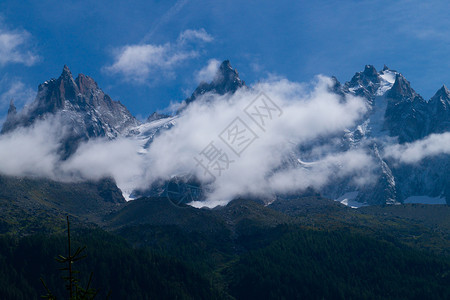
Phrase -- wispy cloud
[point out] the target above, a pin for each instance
(192, 35)
(207, 73)
(31, 151)
(142, 63)
(15, 47)
(166, 17)
(434, 144)
(13, 89)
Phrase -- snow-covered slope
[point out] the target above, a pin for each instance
(396, 114)
(146, 132)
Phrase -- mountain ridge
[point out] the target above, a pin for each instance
(395, 110)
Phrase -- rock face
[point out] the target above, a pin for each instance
(406, 114)
(365, 83)
(397, 112)
(83, 108)
(225, 81)
(439, 111)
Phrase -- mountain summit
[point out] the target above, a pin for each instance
(439, 107)
(83, 108)
(225, 81)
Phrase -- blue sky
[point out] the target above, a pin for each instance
(148, 54)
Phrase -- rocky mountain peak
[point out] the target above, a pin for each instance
(401, 89)
(79, 105)
(442, 93)
(12, 108)
(369, 74)
(66, 72)
(439, 110)
(85, 84)
(336, 86)
(225, 65)
(226, 73)
(225, 81)
(365, 83)
(53, 93)
(370, 71)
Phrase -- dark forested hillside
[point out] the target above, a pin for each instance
(118, 269)
(149, 248)
(337, 265)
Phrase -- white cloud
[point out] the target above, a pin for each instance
(207, 73)
(102, 158)
(411, 153)
(13, 89)
(306, 116)
(308, 113)
(14, 47)
(31, 151)
(141, 62)
(334, 165)
(192, 35)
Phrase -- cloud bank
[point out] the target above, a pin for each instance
(32, 151)
(279, 117)
(411, 153)
(307, 114)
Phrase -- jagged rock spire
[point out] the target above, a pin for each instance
(225, 81)
(401, 89)
(66, 71)
(439, 109)
(369, 70)
(442, 92)
(364, 83)
(12, 108)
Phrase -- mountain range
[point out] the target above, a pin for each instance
(395, 112)
(301, 244)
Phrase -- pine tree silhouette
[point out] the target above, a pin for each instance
(76, 292)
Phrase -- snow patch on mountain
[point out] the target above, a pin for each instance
(349, 199)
